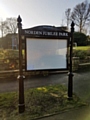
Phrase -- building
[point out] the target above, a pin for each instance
(10, 41)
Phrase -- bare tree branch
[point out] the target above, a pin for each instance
(67, 14)
(81, 14)
(11, 25)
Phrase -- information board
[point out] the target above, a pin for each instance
(46, 54)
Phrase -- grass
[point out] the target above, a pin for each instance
(82, 48)
(38, 102)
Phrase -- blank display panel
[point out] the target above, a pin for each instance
(46, 54)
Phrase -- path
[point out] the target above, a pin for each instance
(80, 81)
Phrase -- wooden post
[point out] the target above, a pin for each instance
(20, 76)
(70, 82)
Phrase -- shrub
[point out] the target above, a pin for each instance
(80, 39)
(88, 42)
(9, 58)
(80, 53)
(9, 53)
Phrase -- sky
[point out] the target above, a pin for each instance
(37, 12)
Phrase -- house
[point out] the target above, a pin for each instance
(10, 41)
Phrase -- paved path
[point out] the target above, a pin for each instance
(81, 86)
(12, 85)
(76, 114)
(80, 81)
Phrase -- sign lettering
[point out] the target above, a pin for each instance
(46, 33)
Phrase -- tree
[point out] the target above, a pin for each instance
(68, 14)
(8, 26)
(11, 25)
(2, 28)
(81, 14)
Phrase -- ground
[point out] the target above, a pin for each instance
(81, 86)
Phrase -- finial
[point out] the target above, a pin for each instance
(19, 20)
(72, 26)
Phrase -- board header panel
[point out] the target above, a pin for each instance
(46, 32)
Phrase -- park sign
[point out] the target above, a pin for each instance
(46, 48)
(45, 32)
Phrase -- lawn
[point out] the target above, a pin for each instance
(38, 101)
(82, 48)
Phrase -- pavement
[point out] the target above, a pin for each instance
(75, 114)
(81, 86)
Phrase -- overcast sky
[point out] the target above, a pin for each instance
(37, 12)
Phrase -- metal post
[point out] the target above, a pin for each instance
(70, 82)
(20, 77)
